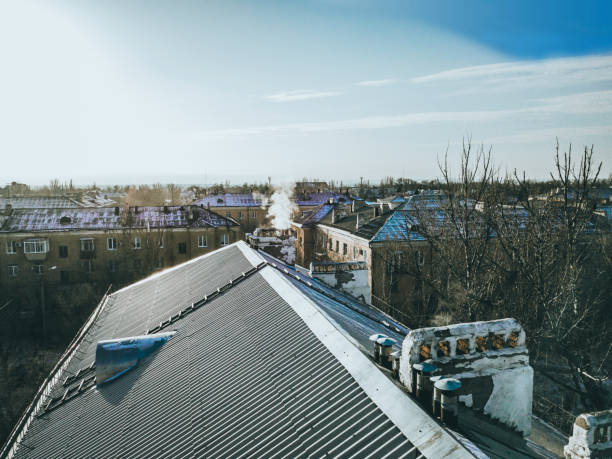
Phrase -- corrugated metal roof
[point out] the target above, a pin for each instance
(105, 218)
(253, 372)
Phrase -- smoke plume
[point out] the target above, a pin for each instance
(282, 208)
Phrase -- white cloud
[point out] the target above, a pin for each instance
(565, 71)
(301, 94)
(596, 102)
(546, 135)
(384, 82)
(593, 102)
(372, 122)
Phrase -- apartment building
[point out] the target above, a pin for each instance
(246, 208)
(87, 244)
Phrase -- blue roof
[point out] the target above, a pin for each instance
(396, 228)
(317, 214)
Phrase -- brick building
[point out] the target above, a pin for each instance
(371, 233)
(87, 244)
(246, 208)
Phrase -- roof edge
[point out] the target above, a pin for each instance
(418, 427)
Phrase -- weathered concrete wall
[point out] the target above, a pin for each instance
(490, 359)
(351, 277)
(591, 436)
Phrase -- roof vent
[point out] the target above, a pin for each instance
(117, 356)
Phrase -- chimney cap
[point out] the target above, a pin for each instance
(377, 336)
(447, 384)
(386, 341)
(424, 367)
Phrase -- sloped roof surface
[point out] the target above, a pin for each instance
(248, 373)
(315, 216)
(357, 319)
(231, 200)
(366, 230)
(34, 202)
(315, 199)
(396, 228)
(104, 218)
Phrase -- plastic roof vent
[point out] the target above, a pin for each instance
(117, 356)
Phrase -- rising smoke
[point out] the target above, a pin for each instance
(281, 206)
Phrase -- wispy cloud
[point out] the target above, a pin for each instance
(565, 71)
(385, 82)
(592, 102)
(300, 94)
(545, 135)
(373, 122)
(596, 102)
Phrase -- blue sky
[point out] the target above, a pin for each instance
(334, 89)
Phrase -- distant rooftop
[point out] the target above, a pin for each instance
(34, 202)
(231, 200)
(107, 218)
(315, 199)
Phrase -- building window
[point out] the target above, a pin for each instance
(160, 262)
(228, 214)
(36, 246)
(64, 277)
(239, 215)
(354, 253)
(202, 241)
(344, 249)
(224, 239)
(111, 243)
(337, 246)
(137, 243)
(182, 247)
(420, 257)
(13, 270)
(160, 244)
(112, 266)
(87, 245)
(254, 215)
(330, 244)
(11, 247)
(63, 251)
(38, 268)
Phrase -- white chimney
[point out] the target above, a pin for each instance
(491, 361)
(591, 436)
